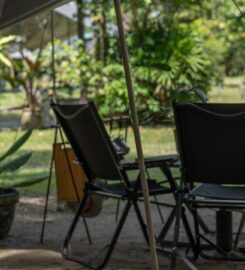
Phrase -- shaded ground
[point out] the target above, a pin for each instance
(9, 121)
(22, 249)
(34, 259)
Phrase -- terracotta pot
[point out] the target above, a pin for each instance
(8, 199)
(92, 208)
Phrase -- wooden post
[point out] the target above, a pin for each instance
(137, 137)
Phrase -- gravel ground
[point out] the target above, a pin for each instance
(23, 250)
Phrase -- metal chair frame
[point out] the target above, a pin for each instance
(197, 125)
(70, 119)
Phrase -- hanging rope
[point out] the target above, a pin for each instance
(71, 116)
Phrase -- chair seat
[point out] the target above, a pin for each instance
(119, 189)
(219, 192)
(213, 195)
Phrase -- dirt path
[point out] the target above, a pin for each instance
(22, 250)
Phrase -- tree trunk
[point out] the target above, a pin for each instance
(32, 102)
(80, 34)
(80, 17)
(102, 35)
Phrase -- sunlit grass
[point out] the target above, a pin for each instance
(156, 140)
(230, 92)
(40, 144)
(10, 99)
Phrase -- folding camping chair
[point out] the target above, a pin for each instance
(95, 153)
(212, 154)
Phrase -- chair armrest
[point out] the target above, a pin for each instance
(164, 158)
(151, 162)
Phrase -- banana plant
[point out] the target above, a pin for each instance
(11, 164)
(4, 41)
(10, 161)
(27, 72)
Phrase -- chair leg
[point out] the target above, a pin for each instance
(169, 222)
(116, 235)
(241, 225)
(197, 233)
(189, 234)
(87, 229)
(201, 222)
(141, 222)
(65, 252)
(117, 211)
(158, 209)
(167, 225)
(176, 231)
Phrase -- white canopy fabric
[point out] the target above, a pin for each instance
(69, 10)
(31, 29)
(13, 11)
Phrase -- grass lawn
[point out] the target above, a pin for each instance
(229, 93)
(9, 99)
(156, 140)
(40, 144)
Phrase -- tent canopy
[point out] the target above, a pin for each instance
(13, 11)
(65, 24)
(31, 29)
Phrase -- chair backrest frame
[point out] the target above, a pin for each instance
(89, 139)
(211, 140)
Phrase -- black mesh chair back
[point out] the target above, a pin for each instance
(211, 141)
(89, 139)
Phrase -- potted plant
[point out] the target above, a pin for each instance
(27, 75)
(8, 193)
(27, 72)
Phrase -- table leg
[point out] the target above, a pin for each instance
(224, 229)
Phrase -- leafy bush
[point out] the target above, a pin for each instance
(11, 161)
(169, 61)
(8, 163)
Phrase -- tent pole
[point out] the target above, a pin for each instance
(53, 55)
(137, 137)
(80, 24)
(56, 127)
(1, 7)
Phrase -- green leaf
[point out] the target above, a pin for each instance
(201, 95)
(17, 145)
(30, 182)
(162, 66)
(15, 164)
(6, 40)
(5, 61)
(184, 96)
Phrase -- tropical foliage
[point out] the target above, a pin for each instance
(27, 73)
(4, 42)
(10, 161)
(178, 50)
